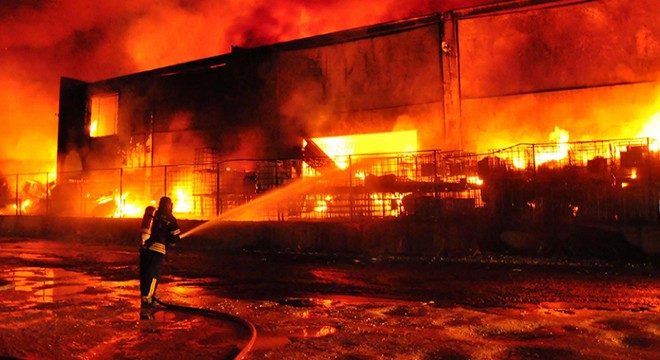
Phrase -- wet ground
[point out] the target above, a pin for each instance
(66, 300)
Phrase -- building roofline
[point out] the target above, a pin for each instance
(332, 38)
(363, 32)
(344, 36)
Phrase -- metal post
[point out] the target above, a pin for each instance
(165, 181)
(350, 188)
(218, 204)
(451, 82)
(153, 126)
(277, 177)
(652, 200)
(121, 191)
(82, 199)
(534, 161)
(435, 174)
(17, 201)
(47, 195)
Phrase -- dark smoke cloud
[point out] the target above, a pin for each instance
(42, 40)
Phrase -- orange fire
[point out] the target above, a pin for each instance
(183, 202)
(652, 130)
(556, 151)
(127, 208)
(560, 137)
(93, 128)
(182, 199)
(134, 207)
(340, 148)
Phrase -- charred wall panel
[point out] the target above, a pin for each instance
(581, 67)
(71, 135)
(370, 85)
(165, 116)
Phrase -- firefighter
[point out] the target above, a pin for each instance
(164, 233)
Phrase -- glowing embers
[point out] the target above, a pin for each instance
(322, 205)
(386, 204)
(475, 180)
(339, 148)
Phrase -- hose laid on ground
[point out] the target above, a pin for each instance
(224, 316)
(6, 286)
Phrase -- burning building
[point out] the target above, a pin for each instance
(417, 117)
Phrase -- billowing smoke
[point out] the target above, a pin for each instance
(42, 40)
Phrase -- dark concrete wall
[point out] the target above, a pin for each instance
(396, 237)
(71, 123)
(366, 239)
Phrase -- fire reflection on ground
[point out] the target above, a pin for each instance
(54, 312)
(42, 283)
(87, 304)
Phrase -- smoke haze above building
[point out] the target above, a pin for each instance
(42, 41)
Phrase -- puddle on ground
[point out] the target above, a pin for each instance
(283, 337)
(21, 254)
(47, 284)
(339, 300)
(114, 325)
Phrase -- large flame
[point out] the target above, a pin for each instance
(557, 150)
(652, 130)
(183, 202)
(340, 148)
(131, 207)
(93, 128)
(560, 137)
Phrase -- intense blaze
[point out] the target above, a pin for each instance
(558, 152)
(183, 202)
(652, 130)
(339, 148)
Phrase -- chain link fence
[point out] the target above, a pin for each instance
(606, 181)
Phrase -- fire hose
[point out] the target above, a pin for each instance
(6, 286)
(200, 311)
(147, 220)
(220, 315)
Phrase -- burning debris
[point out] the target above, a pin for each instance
(31, 197)
(590, 182)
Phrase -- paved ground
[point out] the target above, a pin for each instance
(69, 300)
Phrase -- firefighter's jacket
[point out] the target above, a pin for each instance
(164, 233)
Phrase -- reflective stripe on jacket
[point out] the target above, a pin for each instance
(164, 232)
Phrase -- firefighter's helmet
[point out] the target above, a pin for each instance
(165, 204)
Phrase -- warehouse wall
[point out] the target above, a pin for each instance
(377, 84)
(590, 68)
